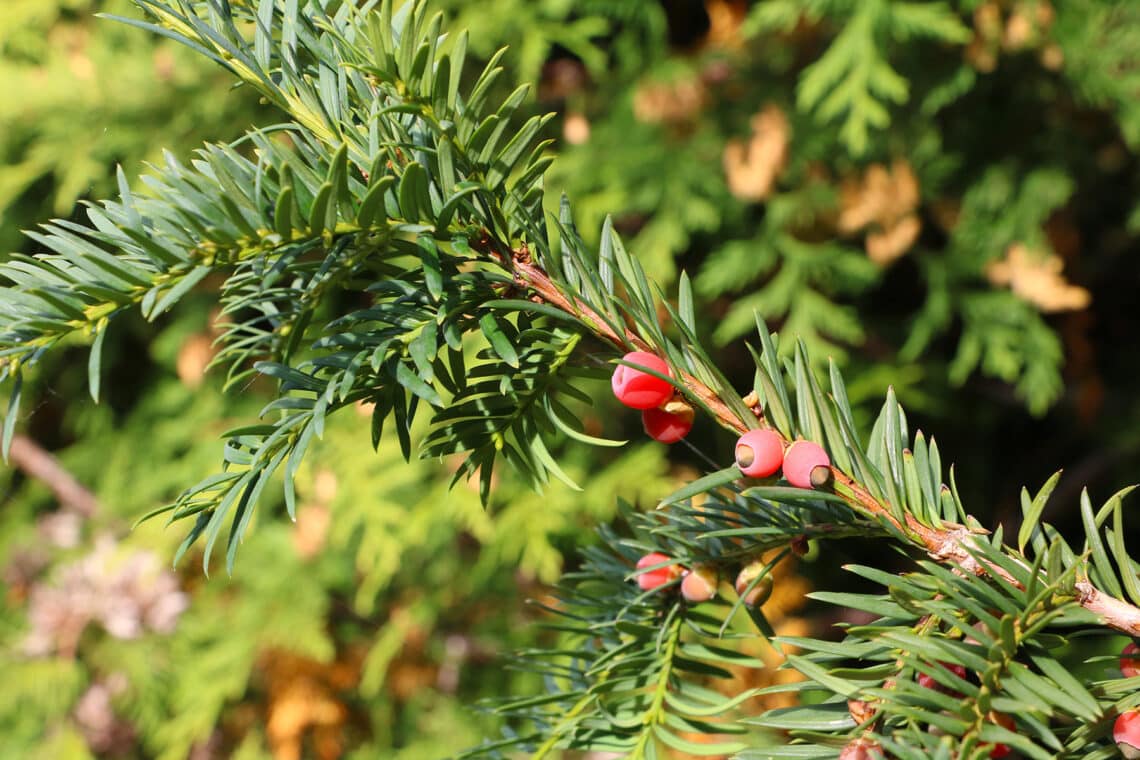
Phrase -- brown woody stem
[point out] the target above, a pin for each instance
(1116, 613)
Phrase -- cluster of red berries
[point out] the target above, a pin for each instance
(651, 394)
(699, 584)
(759, 453)
(1126, 730)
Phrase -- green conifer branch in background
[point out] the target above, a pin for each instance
(393, 250)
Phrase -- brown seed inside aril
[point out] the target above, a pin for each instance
(745, 456)
(820, 475)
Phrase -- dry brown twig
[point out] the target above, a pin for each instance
(37, 463)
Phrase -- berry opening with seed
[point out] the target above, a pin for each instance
(801, 459)
(760, 453)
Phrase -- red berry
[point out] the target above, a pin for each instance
(667, 427)
(1130, 660)
(761, 591)
(699, 585)
(929, 682)
(759, 453)
(657, 577)
(1126, 734)
(997, 749)
(640, 390)
(801, 458)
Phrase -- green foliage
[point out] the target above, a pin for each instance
(1099, 40)
(853, 79)
(186, 690)
(64, 70)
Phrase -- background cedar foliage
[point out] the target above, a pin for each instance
(132, 95)
(895, 182)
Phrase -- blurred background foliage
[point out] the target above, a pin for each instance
(941, 195)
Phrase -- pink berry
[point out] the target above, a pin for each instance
(657, 577)
(667, 427)
(1130, 660)
(1126, 734)
(759, 453)
(641, 390)
(761, 591)
(929, 682)
(800, 459)
(699, 585)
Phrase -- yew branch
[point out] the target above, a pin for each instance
(949, 543)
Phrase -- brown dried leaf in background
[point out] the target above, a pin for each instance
(562, 78)
(669, 102)
(881, 196)
(125, 592)
(194, 357)
(982, 52)
(884, 202)
(1027, 24)
(725, 19)
(324, 485)
(104, 730)
(885, 246)
(753, 167)
(1036, 278)
(303, 701)
(311, 530)
(575, 128)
